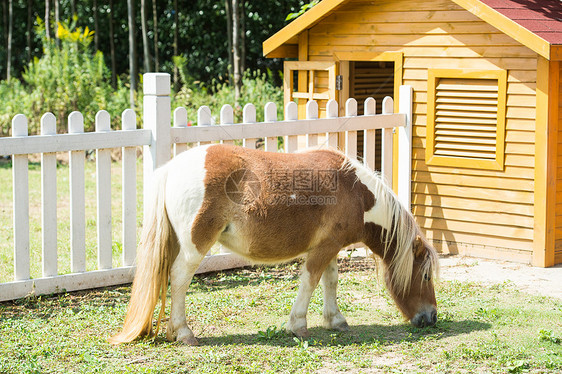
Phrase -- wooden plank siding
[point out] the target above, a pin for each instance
(558, 220)
(463, 210)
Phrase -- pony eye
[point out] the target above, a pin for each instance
(426, 277)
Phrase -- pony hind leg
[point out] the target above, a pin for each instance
(313, 268)
(333, 319)
(181, 274)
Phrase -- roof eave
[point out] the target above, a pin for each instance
(556, 52)
(275, 45)
(302, 23)
(507, 26)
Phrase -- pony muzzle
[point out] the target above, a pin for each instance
(426, 317)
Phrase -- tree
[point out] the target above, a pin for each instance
(47, 22)
(155, 18)
(10, 30)
(193, 29)
(236, 49)
(112, 46)
(96, 25)
(29, 24)
(5, 25)
(228, 10)
(145, 45)
(242, 36)
(176, 17)
(132, 50)
(57, 20)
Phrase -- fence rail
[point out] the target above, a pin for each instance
(158, 139)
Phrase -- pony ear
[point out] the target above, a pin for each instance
(418, 246)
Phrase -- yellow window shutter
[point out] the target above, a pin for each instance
(466, 118)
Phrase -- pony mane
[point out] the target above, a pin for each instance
(403, 229)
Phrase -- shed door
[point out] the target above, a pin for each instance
(371, 79)
(310, 80)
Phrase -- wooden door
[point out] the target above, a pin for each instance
(371, 79)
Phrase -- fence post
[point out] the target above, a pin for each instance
(49, 200)
(351, 136)
(249, 116)
(21, 204)
(227, 118)
(129, 192)
(369, 136)
(312, 113)
(180, 121)
(76, 163)
(157, 118)
(386, 159)
(291, 114)
(406, 95)
(270, 115)
(332, 111)
(103, 185)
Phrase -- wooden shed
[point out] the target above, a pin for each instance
(487, 147)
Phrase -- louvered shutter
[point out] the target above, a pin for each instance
(466, 117)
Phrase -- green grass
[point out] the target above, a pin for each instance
(238, 317)
(63, 213)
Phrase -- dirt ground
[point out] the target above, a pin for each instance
(532, 280)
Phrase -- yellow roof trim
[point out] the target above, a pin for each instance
(507, 26)
(476, 7)
(305, 21)
(556, 53)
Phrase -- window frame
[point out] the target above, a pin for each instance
(466, 162)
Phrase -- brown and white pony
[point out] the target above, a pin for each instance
(270, 208)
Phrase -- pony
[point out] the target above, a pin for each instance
(271, 208)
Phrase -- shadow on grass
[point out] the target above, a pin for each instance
(46, 306)
(254, 275)
(375, 335)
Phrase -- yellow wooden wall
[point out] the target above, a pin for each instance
(558, 233)
(478, 212)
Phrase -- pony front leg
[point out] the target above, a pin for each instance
(333, 319)
(297, 319)
(316, 262)
(181, 274)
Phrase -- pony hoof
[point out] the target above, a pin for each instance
(170, 337)
(189, 340)
(343, 327)
(302, 333)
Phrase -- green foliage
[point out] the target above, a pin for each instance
(302, 10)
(257, 88)
(12, 97)
(68, 77)
(548, 336)
(201, 30)
(271, 333)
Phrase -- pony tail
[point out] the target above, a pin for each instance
(153, 267)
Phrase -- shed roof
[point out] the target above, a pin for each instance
(541, 17)
(536, 24)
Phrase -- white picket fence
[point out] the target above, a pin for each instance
(158, 137)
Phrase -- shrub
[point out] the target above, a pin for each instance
(68, 77)
(257, 88)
